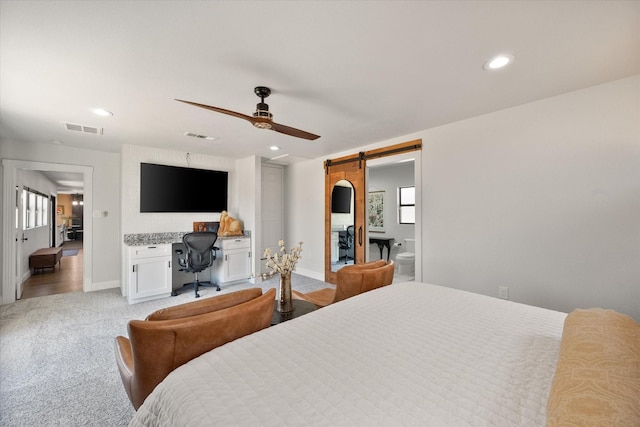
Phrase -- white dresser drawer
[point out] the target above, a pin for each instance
(149, 251)
(239, 243)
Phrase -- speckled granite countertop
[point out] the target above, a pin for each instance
(143, 239)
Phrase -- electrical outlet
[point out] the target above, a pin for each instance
(503, 292)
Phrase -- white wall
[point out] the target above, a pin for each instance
(543, 198)
(304, 213)
(135, 222)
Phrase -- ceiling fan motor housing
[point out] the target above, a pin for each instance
(262, 109)
(262, 112)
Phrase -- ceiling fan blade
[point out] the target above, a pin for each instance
(260, 121)
(287, 130)
(219, 110)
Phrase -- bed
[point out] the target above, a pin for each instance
(406, 354)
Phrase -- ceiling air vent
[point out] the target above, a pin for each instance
(82, 128)
(195, 135)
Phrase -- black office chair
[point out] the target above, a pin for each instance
(346, 242)
(201, 253)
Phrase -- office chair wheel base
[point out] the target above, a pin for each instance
(197, 295)
(218, 289)
(174, 294)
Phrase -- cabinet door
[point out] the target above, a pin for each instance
(150, 277)
(237, 265)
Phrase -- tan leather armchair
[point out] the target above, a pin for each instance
(352, 280)
(171, 337)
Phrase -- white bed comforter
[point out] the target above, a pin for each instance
(406, 354)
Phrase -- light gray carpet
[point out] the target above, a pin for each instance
(57, 359)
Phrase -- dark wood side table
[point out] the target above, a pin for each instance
(382, 242)
(300, 307)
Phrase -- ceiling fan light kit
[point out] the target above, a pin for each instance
(262, 118)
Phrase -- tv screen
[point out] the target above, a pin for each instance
(341, 199)
(176, 189)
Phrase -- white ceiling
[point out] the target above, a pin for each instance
(353, 72)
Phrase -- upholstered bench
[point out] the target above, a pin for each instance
(45, 258)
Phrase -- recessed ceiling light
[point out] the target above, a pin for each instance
(498, 62)
(102, 112)
(274, 148)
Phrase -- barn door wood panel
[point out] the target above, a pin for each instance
(354, 173)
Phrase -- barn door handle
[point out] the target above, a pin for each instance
(360, 236)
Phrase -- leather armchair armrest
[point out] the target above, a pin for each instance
(124, 360)
(321, 297)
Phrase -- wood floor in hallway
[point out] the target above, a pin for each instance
(67, 277)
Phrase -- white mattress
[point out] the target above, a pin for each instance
(406, 354)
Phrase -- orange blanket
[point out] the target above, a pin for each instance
(597, 380)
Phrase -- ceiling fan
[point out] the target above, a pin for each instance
(262, 118)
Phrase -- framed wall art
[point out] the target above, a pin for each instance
(376, 211)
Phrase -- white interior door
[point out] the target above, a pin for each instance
(19, 235)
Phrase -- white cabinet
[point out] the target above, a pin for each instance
(149, 272)
(234, 260)
(335, 247)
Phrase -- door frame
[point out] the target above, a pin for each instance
(353, 169)
(11, 269)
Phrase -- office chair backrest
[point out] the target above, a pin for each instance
(346, 241)
(199, 249)
(350, 234)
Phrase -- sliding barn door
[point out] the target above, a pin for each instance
(353, 172)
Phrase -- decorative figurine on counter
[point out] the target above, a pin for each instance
(229, 226)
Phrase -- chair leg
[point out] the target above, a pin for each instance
(195, 286)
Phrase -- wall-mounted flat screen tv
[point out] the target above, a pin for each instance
(177, 189)
(341, 199)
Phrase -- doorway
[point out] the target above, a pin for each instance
(13, 271)
(392, 219)
(353, 168)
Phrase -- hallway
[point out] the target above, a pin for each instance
(65, 278)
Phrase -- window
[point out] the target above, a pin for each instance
(31, 209)
(407, 205)
(38, 210)
(17, 207)
(45, 211)
(35, 209)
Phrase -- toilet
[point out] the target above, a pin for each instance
(407, 260)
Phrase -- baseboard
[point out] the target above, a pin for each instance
(102, 286)
(310, 273)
